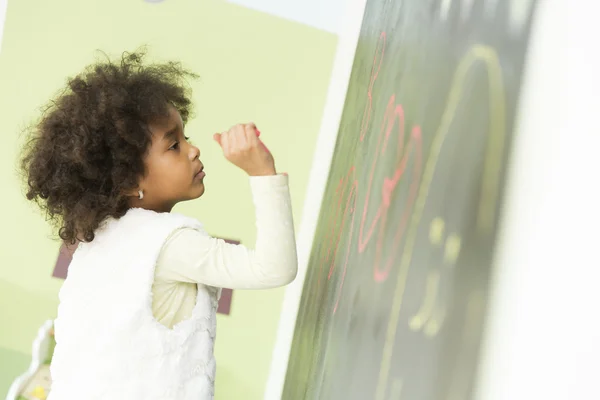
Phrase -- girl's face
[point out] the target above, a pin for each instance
(174, 171)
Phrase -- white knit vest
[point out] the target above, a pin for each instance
(109, 345)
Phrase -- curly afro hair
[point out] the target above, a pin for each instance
(87, 150)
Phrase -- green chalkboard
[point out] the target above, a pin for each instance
(394, 302)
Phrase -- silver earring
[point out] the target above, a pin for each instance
(140, 194)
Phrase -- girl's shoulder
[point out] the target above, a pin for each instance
(140, 220)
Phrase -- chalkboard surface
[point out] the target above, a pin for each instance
(394, 301)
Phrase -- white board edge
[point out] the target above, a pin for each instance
(334, 106)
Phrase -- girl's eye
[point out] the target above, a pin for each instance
(175, 146)
(187, 138)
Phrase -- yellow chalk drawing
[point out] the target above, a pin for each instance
(452, 249)
(431, 290)
(432, 313)
(490, 185)
(434, 324)
(436, 231)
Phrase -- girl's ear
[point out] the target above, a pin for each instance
(135, 195)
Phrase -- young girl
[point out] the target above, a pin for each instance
(107, 162)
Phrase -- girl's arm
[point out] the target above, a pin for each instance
(193, 256)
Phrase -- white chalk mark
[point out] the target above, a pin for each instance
(519, 14)
(445, 9)
(396, 391)
(465, 9)
(490, 8)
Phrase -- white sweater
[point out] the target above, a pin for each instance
(109, 343)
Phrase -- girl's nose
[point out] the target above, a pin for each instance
(194, 153)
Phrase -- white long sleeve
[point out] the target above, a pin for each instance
(194, 257)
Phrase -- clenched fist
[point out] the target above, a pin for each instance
(242, 147)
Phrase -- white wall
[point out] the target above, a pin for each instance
(321, 14)
(3, 6)
(543, 337)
